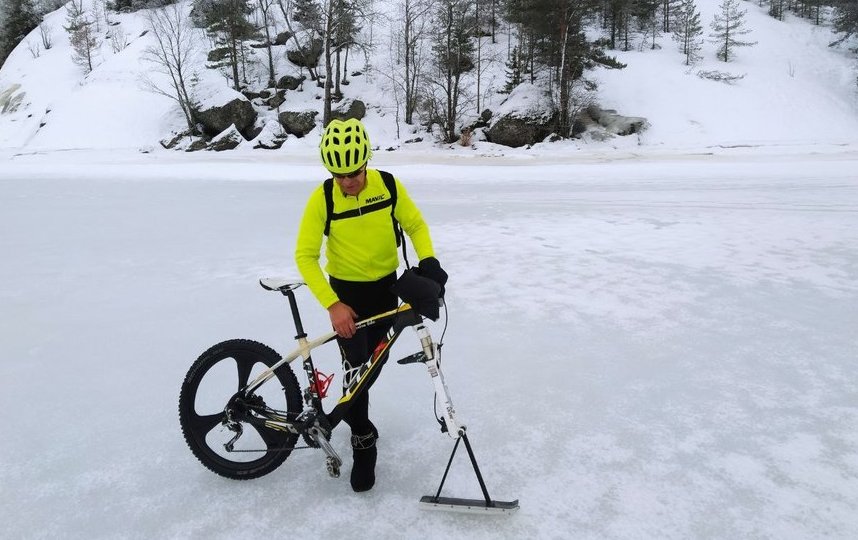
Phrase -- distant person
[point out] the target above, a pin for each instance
(356, 211)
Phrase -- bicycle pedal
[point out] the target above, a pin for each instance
(413, 359)
(333, 467)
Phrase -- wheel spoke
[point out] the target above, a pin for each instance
(203, 423)
(244, 365)
(272, 438)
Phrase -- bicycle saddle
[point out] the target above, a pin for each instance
(279, 284)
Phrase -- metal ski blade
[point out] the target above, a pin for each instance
(468, 506)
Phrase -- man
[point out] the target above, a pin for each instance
(357, 212)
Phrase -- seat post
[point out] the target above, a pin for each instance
(293, 303)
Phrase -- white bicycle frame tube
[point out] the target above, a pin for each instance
(305, 346)
(442, 393)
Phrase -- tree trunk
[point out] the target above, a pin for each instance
(326, 109)
(449, 90)
(564, 82)
(264, 6)
(494, 21)
(409, 51)
(479, 56)
(338, 93)
(233, 59)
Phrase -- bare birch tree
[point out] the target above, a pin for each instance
(176, 42)
(415, 24)
(265, 9)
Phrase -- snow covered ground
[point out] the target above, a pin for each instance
(656, 346)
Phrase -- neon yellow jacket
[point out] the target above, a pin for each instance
(361, 248)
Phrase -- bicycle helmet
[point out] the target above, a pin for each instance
(345, 146)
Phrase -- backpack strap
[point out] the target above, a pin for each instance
(328, 186)
(390, 184)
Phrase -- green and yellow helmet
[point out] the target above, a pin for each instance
(345, 146)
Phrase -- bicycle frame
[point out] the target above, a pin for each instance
(403, 317)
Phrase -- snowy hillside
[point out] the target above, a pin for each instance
(795, 90)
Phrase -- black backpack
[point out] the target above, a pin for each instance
(390, 184)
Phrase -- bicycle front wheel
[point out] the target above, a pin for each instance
(212, 380)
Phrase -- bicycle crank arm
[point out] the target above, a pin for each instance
(333, 461)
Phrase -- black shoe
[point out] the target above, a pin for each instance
(365, 454)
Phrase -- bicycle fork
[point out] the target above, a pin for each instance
(429, 357)
(456, 431)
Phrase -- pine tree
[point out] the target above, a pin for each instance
(616, 15)
(227, 24)
(82, 36)
(19, 18)
(453, 55)
(688, 31)
(727, 27)
(845, 19)
(668, 13)
(777, 8)
(513, 71)
(646, 14)
(308, 13)
(811, 9)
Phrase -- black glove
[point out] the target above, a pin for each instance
(421, 292)
(431, 268)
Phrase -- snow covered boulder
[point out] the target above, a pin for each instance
(308, 56)
(298, 123)
(221, 107)
(282, 38)
(349, 108)
(227, 140)
(290, 83)
(616, 124)
(526, 117)
(279, 98)
(9, 100)
(271, 135)
(176, 139)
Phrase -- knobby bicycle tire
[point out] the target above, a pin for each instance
(196, 427)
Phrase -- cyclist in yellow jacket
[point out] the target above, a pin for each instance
(357, 215)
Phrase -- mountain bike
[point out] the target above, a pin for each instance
(241, 425)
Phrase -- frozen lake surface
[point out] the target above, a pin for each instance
(649, 347)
